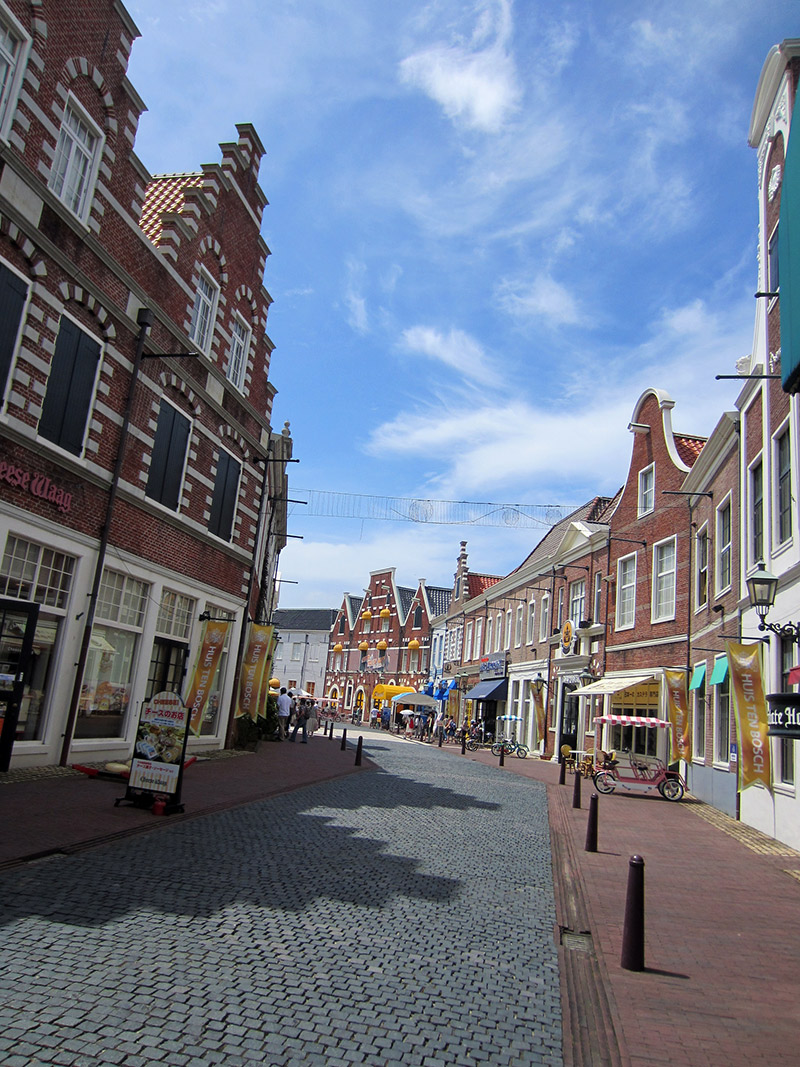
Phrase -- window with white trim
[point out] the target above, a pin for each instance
(14, 48)
(478, 637)
(724, 547)
(560, 617)
(168, 459)
(722, 720)
(531, 634)
(77, 158)
(498, 631)
(662, 605)
(507, 642)
(240, 349)
(626, 592)
(647, 490)
(699, 726)
(201, 328)
(773, 267)
(577, 600)
(757, 512)
(544, 618)
(70, 388)
(468, 642)
(598, 597)
(223, 500)
(489, 633)
(784, 755)
(783, 487)
(518, 626)
(701, 568)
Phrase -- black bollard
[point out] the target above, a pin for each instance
(502, 755)
(463, 744)
(591, 826)
(359, 746)
(344, 738)
(330, 734)
(325, 728)
(441, 738)
(562, 771)
(633, 931)
(576, 789)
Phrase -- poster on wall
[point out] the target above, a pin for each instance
(160, 745)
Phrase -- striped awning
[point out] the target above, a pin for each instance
(633, 720)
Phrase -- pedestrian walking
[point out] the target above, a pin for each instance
(300, 722)
(284, 711)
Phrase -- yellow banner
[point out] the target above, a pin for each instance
(541, 715)
(751, 715)
(678, 711)
(252, 673)
(205, 667)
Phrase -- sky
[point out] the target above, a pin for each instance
(493, 225)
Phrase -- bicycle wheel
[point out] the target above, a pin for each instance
(671, 789)
(521, 752)
(472, 745)
(497, 748)
(604, 782)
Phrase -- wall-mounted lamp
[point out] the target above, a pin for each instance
(761, 589)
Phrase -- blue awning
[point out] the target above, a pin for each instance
(720, 672)
(698, 676)
(496, 689)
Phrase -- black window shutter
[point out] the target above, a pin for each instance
(169, 452)
(69, 388)
(223, 504)
(13, 292)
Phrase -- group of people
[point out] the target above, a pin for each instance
(296, 713)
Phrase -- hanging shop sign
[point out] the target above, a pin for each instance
(212, 642)
(160, 745)
(783, 716)
(253, 678)
(567, 637)
(678, 713)
(751, 715)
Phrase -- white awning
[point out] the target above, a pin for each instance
(610, 685)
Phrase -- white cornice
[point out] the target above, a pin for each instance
(769, 82)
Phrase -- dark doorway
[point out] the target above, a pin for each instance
(17, 630)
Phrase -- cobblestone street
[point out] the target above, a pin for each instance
(400, 916)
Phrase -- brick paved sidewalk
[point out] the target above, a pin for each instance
(721, 985)
(61, 810)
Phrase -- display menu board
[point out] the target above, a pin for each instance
(160, 744)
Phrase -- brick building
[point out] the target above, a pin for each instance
(382, 638)
(137, 457)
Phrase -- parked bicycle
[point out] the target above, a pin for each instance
(511, 747)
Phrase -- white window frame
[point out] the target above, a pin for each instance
(239, 353)
(489, 635)
(201, 330)
(468, 642)
(544, 618)
(772, 266)
(598, 597)
(720, 757)
(509, 623)
(647, 491)
(724, 548)
(531, 628)
(518, 625)
(701, 537)
(498, 631)
(664, 575)
(628, 621)
(16, 64)
(560, 617)
(577, 600)
(777, 539)
(755, 553)
(478, 638)
(70, 149)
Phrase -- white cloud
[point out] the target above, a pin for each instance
(543, 299)
(455, 349)
(354, 301)
(474, 81)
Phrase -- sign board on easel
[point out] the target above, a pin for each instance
(159, 751)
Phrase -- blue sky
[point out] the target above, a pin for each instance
(493, 224)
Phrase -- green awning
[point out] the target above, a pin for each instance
(720, 672)
(698, 676)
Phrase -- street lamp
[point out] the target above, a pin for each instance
(761, 589)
